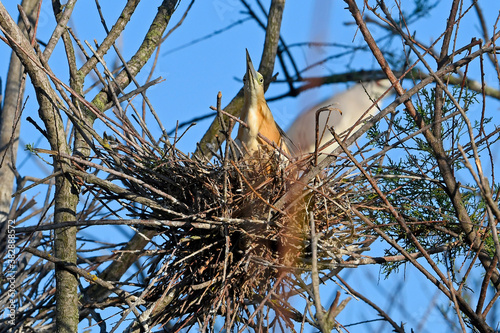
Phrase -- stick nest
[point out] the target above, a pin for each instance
(228, 236)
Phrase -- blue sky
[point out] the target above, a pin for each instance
(193, 76)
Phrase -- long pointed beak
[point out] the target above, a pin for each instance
(251, 72)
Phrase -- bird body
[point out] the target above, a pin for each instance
(257, 116)
(348, 108)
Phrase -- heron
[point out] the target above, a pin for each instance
(257, 116)
(348, 108)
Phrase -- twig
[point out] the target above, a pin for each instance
(150, 223)
(381, 312)
(320, 312)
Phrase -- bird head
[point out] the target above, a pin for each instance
(253, 80)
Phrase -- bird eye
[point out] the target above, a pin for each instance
(261, 80)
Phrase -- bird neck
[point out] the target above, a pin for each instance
(255, 108)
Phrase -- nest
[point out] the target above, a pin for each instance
(228, 236)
